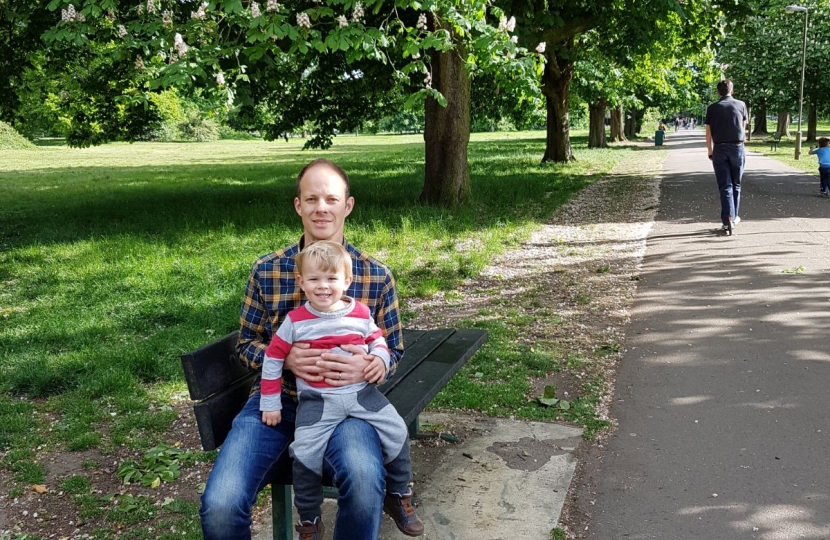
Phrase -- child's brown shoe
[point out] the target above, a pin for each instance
(400, 508)
(309, 530)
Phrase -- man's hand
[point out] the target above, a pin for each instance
(344, 369)
(271, 418)
(710, 156)
(375, 372)
(304, 361)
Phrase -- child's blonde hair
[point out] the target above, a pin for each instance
(328, 256)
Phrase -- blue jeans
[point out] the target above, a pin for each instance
(253, 452)
(728, 161)
(824, 176)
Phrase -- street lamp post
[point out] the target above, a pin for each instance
(800, 9)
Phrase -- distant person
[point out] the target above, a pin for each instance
(823, 155)
(662, 127)
(329, 320)
(725, 131)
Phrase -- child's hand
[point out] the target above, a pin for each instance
(375, 371)
(271, 418)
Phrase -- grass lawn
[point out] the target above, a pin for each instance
(114, 260)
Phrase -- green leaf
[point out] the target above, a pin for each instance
(549, 402)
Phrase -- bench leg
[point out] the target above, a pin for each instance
(414, 428)
(281, 512)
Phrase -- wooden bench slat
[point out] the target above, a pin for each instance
(215, 415)
(213, 367)
(430, 376)
(415, 353)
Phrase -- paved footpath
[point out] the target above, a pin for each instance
(723, 395)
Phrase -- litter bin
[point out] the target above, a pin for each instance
(658, 137)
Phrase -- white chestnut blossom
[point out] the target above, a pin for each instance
(428, 80)
(139, 63)
(422, 22)
(220, 79)
(199, 14)
(68, 14)
(511, 24)
(255, 10)
(540, 48)
(151, 6)
(357, 15)
(181, 46)
(272, 6)
(303, 20)
(514, 39)
(342, 21)
(122, 32)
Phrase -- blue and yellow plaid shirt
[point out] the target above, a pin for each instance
(273, 291)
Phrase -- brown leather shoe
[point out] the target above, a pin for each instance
(401, 510)
(309, 530)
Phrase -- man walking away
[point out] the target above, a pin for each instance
(725, 131)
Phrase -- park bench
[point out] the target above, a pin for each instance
(220, 385)
(774, 141)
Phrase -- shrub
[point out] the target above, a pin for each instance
(227, 132)
(10, 139)
(166, 132)
(199, 129)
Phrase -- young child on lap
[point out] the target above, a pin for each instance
(329, 320)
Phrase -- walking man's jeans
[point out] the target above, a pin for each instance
(252, 453)
(728, 161)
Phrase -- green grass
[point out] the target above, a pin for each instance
(117, 259)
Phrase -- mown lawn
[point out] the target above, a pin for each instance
(114, 260)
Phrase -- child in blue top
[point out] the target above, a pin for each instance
(823, 153)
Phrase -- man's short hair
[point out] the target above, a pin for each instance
(824, 142)
(322, 162)
(725, 88)
(328, 256)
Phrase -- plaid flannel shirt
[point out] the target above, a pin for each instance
(273, 291)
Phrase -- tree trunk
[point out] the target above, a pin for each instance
(630, 128)
(596, 125)
(748, 128)
(638, 124)
(447, 132)
(783, 124)
(761, 121)
(556, 86)
(812, 121)
(617, 124)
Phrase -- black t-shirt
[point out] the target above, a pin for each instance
(726, 118)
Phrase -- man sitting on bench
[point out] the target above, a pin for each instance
(253, 452)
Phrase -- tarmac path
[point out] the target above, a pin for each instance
(723, 394)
